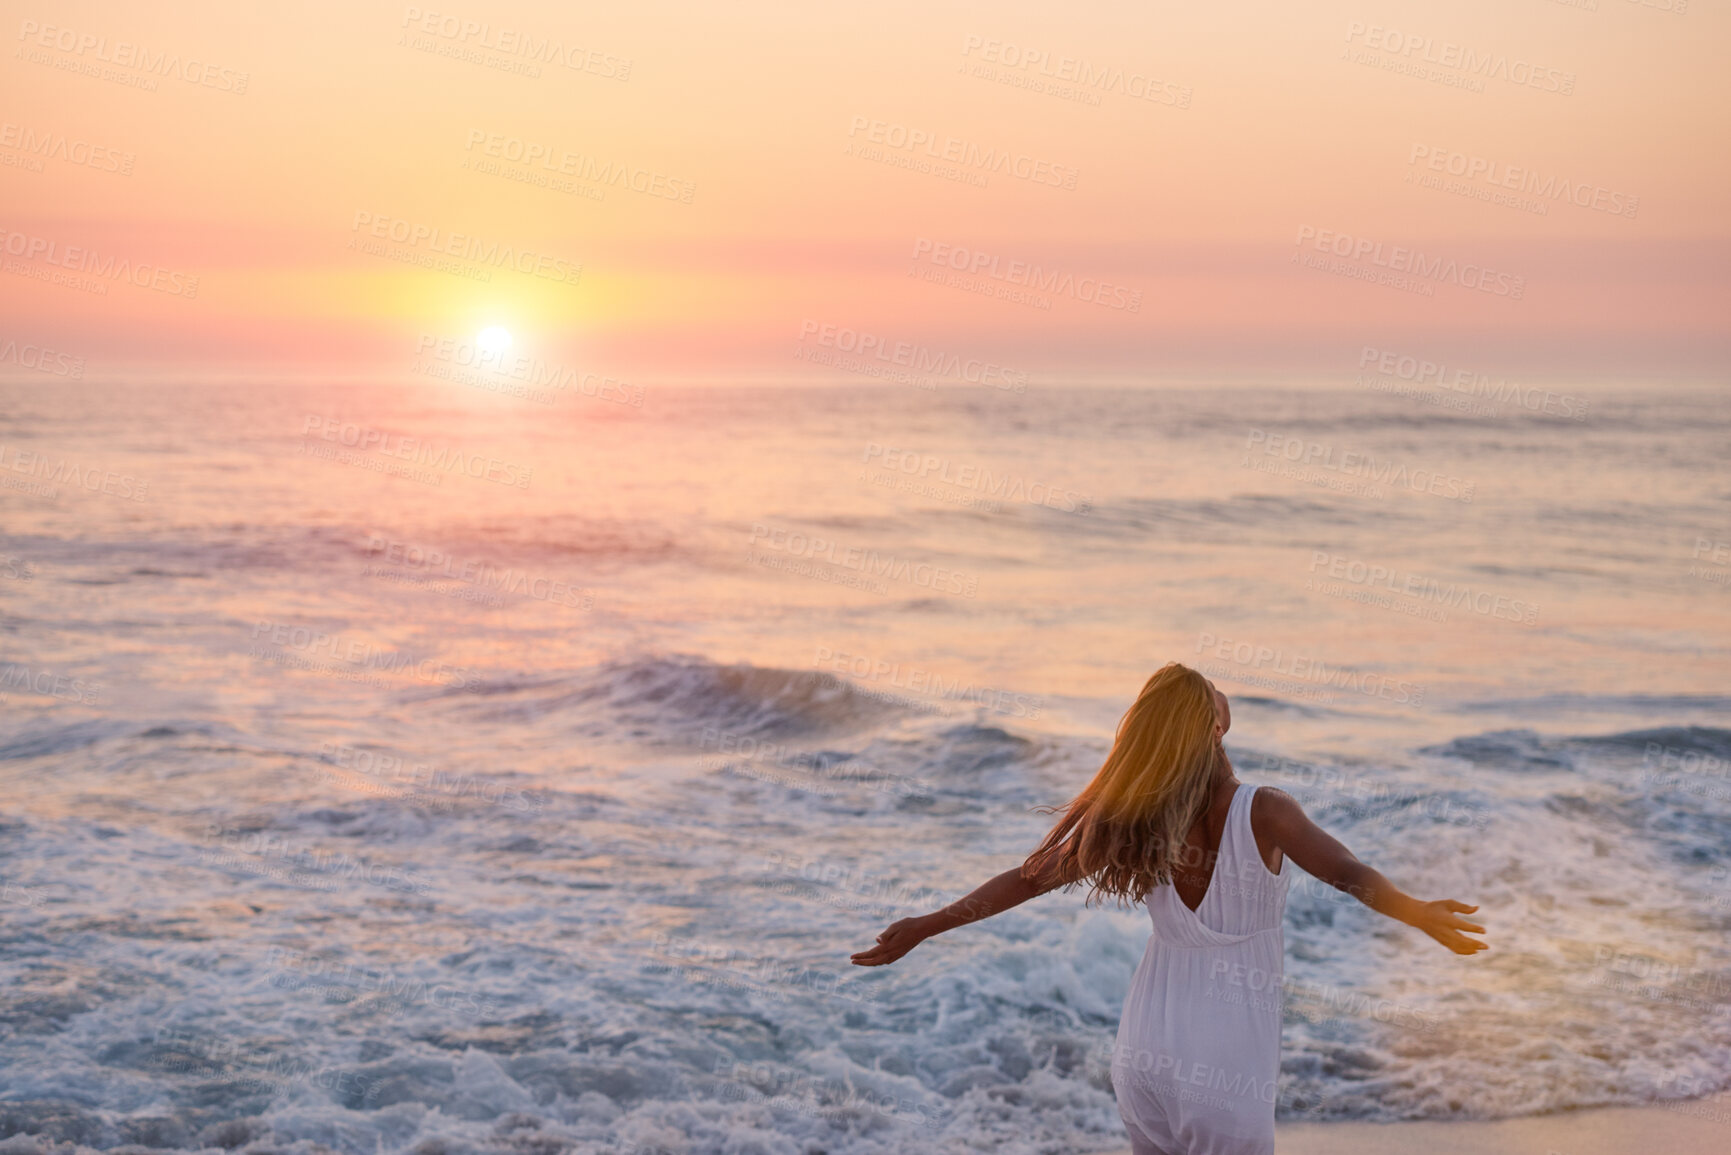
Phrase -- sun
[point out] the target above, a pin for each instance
(493, 340)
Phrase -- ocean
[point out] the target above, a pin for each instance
(422, 767)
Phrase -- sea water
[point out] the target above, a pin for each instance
(425, 768)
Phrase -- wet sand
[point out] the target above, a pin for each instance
(1692, 1127)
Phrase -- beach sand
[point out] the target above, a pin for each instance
(1692, 1127)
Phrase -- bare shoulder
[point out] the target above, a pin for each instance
(1273, 807)
(1274, 816)
(1278, 819)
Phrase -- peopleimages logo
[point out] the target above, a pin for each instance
(1404, 260)
(83, 259)
(50, 146)
(1089, 290)
(928, 682)
(913, 356)
(435, 563)
(530, 47)
(1304, 667)
(440, 458)
(365, 655)
(367, 979)
(1376, 576)
(96, 479)
(1506, 176)
(972, 156)
(535, 373)
(1478, 65)
(1469, 383)
(423, 779)
(1314, 455)
(436, 242)
(41, 359)
(1009, 487)
(123, 54)
(580, 166)
(48, 684)
(1078, 71)
(738, 753)
(864, 561)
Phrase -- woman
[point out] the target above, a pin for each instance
(1166, 823)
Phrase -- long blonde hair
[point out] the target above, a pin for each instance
(1124, 830)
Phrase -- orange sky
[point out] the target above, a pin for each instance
(1174, 152)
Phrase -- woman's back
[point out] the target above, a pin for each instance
(1224, 861)
(1198, 1046)
(1193, 866)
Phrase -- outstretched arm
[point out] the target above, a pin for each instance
(1318, 852)
(993, 896)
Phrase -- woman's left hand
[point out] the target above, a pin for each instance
(893, 943)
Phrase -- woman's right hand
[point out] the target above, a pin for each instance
(897, 940)
(1442, 921)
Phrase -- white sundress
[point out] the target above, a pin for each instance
(1198, 1048)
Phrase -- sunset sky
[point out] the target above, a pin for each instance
(306, 162)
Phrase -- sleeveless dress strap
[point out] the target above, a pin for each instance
(1256, 881)
(1238, 824)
